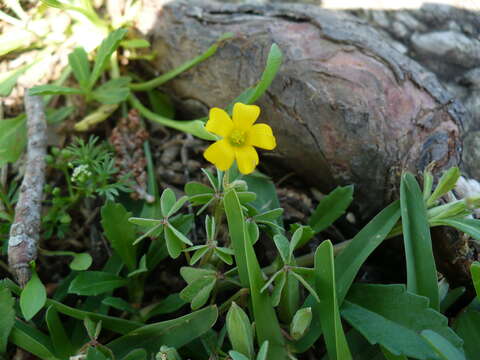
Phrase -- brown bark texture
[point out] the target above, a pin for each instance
(347, 107)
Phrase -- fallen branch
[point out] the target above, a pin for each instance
(24, 233)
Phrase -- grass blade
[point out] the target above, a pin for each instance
(335, 340)
(421, 271)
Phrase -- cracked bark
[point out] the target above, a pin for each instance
(24, 232)
(346, 106)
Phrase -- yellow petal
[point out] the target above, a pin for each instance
(247, 158)
(219, 122)
(220, 154)
(245, 115)
(261, 135)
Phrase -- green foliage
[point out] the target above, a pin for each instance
(33, 296)
(467, 326)
(13, 139)
(8, 317)
(95, 283)
(239, 330)
(331, 207)
(421, 270)
(120, 232)
(335, 340)
(118, 315)
(393, 317)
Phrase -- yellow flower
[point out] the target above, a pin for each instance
(239, 136)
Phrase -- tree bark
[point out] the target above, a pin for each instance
(346, 106)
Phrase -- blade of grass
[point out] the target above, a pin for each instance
(266, 322)
(151, 84)
(421, 271)
(194, 127)
(334, 336)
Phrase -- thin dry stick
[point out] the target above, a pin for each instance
(24, 233)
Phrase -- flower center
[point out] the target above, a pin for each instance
(237, 137)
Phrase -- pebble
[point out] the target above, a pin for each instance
(449, 46)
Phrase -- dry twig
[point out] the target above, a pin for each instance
(24, 233)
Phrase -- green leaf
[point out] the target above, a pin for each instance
(442, 346)
(269, 215)
(296, 237)
(61, 343)
(95, 354)
(135, 43)
(81, 261)
(55, 116)
(224, 254)
(468, 226)
(392, 317)
(95, 282)
(278, 287)
(32, 340)
(467, 326)
(445, 184)
(13, 138)
(7, 320)
(198, 254)
(263, 352)
(119, 304)
(106, 49)
(427, 185)
(120, 232)
(33, 297)
(421, 270)
(198, 193)
(161, 104)
(113, 91)
(475, 271)
(137, 354)
(283, 247)
(267, 325)
(142, 267)
(451, 297)
(198, 292)
(335, 340)
(174, 245)
(237, 232)
(239, 330)
(267, 198)
(272, 66)
(8, 79)
(175, 333)
(170, 304)
(93, 328)
(78, 61)
(235, 355)
(179, 235)
(177, 205)
(154, 83)
(191, 274)
(54, 90)
(300, 322)
(167, 201)
(118, 325)
(348, 263)
(194, 127)
(331, 207)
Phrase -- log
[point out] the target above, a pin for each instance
(346, 106)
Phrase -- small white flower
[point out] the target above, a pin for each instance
(81, 174)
